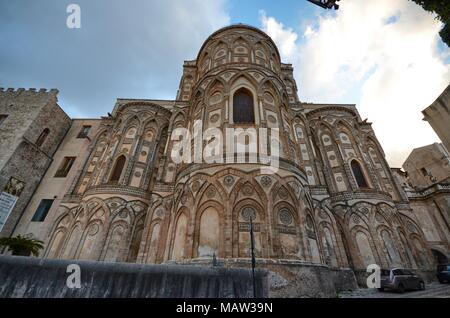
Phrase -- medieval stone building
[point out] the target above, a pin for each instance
(114, 193)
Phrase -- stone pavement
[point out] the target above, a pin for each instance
(432, 290)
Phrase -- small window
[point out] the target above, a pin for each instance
(65, 166)
(243, 112)
(424, 172)
(2, 118)
(42, 210)
(359, 175)
(84, 132)
(42, 137)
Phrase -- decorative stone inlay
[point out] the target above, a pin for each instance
(195, 185)
(93, 229)
(137, 174)
(326, 139)
(286, 229)
(123, 214)
(247, 190)
(285, 217)
(283, 193)
(160, 212)
(271, 119)
(339, 179)
(247, 213)
(309, 173)
(184, 199)
(211, 192)
(214, 118)
(332, 157)
(266, 181)
(268, 98)
(323, 214)
(356, 219)
(228, 180)
(379, 218)
(363, 210)
(216, 98)
(143, 153)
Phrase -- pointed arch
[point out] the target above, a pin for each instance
(117, 171)
(358, 174)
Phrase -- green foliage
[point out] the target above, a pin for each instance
(23, 246)
(442, 9)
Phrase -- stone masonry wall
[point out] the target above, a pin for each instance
(38, 278)
(29, 113)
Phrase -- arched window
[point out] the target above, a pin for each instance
(117, 172)
(359, 175)
(42, 137)
(243, 112)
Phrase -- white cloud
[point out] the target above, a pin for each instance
(384, 52)
(285, 38)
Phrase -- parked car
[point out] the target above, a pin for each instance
(443, 273)
(398, 279)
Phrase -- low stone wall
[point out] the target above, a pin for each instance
(293, 278)
(33, 277)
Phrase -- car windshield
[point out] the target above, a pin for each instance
(398, 272)
(406, 272)
(442, 268)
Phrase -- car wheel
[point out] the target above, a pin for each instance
(401, 288)
(421, 286)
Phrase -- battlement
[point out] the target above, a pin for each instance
(30, 90)
(25, 96)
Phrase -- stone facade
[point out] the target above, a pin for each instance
(32, 127)
(438, 116)
(428, 165)
(426, 182)
(333, 207)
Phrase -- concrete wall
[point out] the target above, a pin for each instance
(38, 278)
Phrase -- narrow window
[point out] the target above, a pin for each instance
(359, 175)
(42, 137)
(84, 132)
(117, 172)
(243, 112)
(65, 166)
(42, 210)
(424, 172)
(2, 118)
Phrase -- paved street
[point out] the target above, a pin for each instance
(433, 290)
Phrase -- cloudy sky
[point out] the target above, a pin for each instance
(385, 56)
